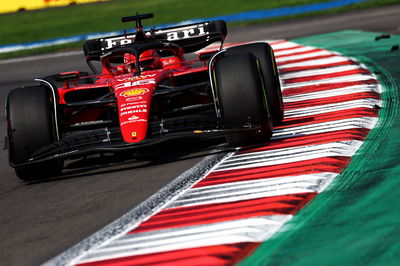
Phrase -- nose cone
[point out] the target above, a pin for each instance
(133, 111)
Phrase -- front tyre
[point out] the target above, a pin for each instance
(241, 97)
(265, 55)
(31, 125)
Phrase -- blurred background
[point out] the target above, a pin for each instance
(27, 21)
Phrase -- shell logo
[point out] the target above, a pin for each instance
(133, 92)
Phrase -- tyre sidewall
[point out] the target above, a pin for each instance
(264, 53)
(31, 126)
(241, 97)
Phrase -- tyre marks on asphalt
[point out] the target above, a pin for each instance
(331, 103)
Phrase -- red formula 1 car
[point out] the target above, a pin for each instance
(145, 92)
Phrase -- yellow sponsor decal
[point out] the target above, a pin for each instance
(133, 92)
(8, 6)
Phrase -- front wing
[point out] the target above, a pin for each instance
(104, 140)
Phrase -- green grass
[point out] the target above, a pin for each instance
(102, 17)
(60, 22)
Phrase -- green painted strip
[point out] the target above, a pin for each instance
(356, 221)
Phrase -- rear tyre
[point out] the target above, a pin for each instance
(241, 97)
(31, 126)
(265, 54)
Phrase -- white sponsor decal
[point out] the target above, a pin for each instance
(133, 121)
(132, 103)
(137, 78)
(137, 98)
(118, 41)
(172, 35)
(184, 34)
(141, 82)
(134, 117)
(133, 112)
(133, 107)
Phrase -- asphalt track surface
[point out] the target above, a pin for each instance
(38, 221)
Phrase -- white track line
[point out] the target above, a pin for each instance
(248, 190)
(333, 107)
(316, 62)
(245, 230)
(348, 78)
(314, 72)
(298, 154)
(302, 56)
(374, 88)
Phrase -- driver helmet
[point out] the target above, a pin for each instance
(148, 60)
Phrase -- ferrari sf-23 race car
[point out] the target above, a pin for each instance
(144, 91)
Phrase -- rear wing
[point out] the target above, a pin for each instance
(190, 38)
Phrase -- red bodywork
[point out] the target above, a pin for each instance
(133, 92)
